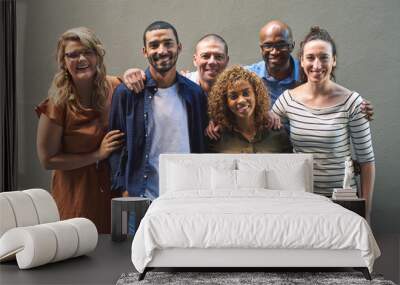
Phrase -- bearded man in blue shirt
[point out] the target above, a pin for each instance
(167, 116)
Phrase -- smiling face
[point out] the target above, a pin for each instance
(318, 61)
(241, 99)
(210, 59)
(161, 50)
(80, 61)
(276, 45)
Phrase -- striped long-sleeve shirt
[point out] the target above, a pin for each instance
(326, 133)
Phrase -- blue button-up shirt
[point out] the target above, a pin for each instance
(130, 113)
(276, 87)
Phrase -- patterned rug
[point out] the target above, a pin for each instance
(244, 278)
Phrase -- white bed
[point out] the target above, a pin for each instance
(222, 210)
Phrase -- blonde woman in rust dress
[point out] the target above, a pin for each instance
(72, 136)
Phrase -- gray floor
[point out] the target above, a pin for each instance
(110, 260)
(389, 262)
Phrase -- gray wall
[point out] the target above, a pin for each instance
(366, 32)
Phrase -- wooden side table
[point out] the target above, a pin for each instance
(126, 204)
(355, 205)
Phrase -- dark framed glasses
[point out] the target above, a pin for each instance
(278, 46)
(77, 53)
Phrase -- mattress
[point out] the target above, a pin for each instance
(250, 219)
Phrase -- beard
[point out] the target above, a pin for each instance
(163, 64)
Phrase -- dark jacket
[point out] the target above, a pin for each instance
(129, 113)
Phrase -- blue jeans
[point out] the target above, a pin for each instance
(132, 215)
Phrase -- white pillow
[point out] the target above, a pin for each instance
(251, 178)
(281, 174)
(291, 180)
(183, 178)
(223, 179)
(186, 174)
(226, 179)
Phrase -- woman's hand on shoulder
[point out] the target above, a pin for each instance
(213, 131)
(274, 121)
(112, 141)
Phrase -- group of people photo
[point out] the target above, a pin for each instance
(103, 135)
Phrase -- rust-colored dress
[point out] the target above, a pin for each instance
(83, 192)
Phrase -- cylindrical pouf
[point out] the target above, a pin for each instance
(7, 218)
(23, 208)
(33, 246)
(40, 244)
(45, 205)
(87, 235)
(67, 240)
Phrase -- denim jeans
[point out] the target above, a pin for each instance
(132, 215)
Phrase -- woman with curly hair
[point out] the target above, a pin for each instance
(239, 103)
(72, 136)
(326, 119)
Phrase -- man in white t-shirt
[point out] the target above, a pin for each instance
(167, 116)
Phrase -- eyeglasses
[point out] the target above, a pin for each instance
(77, 54)
(278, 46)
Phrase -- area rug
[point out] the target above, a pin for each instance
(244, 278)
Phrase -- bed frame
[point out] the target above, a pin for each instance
(242, 259)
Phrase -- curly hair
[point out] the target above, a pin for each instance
(62, 87)
(218, 109)
(317, 33)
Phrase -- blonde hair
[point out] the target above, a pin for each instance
(217, 100)
(62, 87)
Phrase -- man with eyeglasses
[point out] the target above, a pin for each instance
(278, 69)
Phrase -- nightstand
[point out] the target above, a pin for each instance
(126, 204)
(355, 205)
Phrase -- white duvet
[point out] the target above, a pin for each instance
(252, 218)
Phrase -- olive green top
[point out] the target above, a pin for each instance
(266, 141)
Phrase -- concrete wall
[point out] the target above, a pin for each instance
(366, 33)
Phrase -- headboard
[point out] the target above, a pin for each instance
(297, 168)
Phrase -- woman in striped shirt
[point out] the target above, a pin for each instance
(325, 119)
